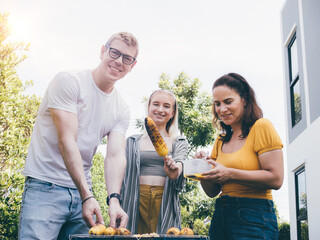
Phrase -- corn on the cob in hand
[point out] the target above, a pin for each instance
(156, 139)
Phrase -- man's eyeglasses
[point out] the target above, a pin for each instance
(115, 53)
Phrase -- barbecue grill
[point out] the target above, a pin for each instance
(130, 237)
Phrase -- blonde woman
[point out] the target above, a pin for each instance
(152, 183)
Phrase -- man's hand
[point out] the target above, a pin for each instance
(118, 218)
(89, 208)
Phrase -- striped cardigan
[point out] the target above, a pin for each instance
(170, 212)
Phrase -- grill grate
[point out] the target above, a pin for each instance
(122, 237)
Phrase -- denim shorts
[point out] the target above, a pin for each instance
(49, 211)
(243, 218)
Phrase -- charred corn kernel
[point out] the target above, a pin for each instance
(156, 139)
(123, 231)
(111, 231)
(97, 230)
(186, 231)
(173, 231)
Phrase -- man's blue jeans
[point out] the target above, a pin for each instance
(243, 218)
(50, 212)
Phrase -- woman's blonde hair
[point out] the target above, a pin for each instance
(172, 125)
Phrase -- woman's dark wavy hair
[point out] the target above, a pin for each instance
(252, 112)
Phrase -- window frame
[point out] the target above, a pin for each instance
(293, 80)
(299, 217)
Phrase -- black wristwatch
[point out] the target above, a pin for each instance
(116, 195)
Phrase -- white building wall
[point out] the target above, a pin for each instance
(303, 142)
(305, 150)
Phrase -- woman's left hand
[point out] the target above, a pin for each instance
(219, 173)
(171, 168)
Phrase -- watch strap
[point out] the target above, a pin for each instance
(114, 195)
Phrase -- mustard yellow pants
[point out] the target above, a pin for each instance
(149, 208)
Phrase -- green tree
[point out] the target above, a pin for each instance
(17, 116)
(98, 184)
(297, 108)
(196, 207)
(200, 228)
(284, 231)
(303, 206)
(304, 230)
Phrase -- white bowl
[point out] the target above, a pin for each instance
(195, 167)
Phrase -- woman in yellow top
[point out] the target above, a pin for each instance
(247, 163)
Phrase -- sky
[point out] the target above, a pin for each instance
(203, 38)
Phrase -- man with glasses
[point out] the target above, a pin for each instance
(78, 110)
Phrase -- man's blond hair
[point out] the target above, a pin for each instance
(127, 38)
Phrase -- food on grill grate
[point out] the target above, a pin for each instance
(173, 231)
(156, 138)
(154, 234)
(146, 235)
(97, 230)
(123, 231)
(103, 230)
(111, 231)
(136, 235)
(186, 231)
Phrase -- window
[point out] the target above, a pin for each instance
(295, 96)
(301, 202)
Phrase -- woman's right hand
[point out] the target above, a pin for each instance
(171, 168)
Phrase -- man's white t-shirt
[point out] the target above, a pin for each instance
(98, 114)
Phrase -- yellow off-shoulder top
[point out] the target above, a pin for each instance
(262, 138)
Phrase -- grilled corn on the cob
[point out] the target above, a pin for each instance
(97, 230)
(111, 231)
(156, 139)
(123, 231)
(173, 231)
(186, 231)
